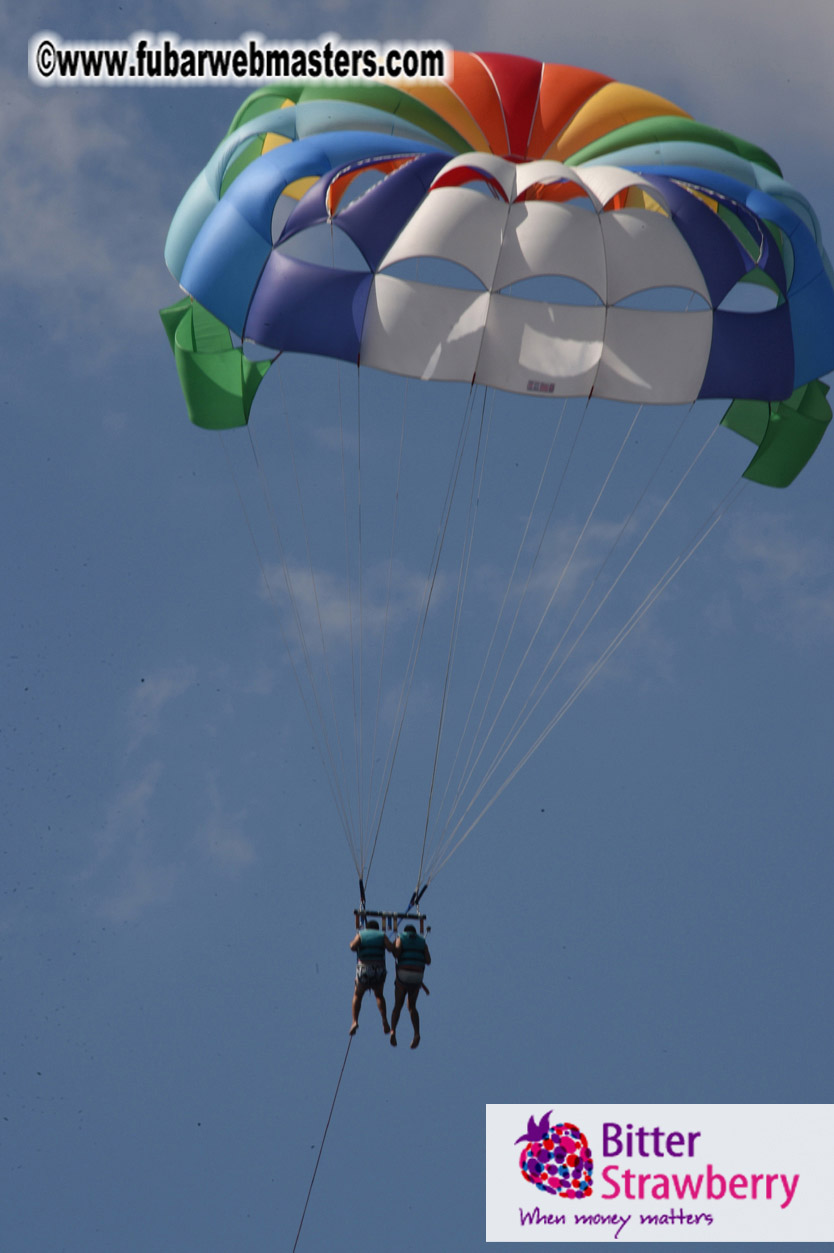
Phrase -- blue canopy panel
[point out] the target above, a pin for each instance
(809, 298)
(751, 355)
(225, 260)
(720, 256)
(302, 307)
(374, 220)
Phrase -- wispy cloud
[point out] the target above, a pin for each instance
(222, 839)
(84, 215)
(151, 849)
(787, 576)
(128, 811)
(144, 883)
(325, 605)
(150, 698)
(126, 874)
(143, 858)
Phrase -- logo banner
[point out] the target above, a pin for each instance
(669, 1173)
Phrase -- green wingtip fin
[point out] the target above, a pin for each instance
(218, 382)
(787, 432)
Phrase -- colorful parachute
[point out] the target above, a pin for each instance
(524, 230)
(510, 171)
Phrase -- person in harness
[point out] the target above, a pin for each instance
(370, 946)
(412, 954)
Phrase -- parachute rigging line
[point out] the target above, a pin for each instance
(332, 779)
(387, 596)
(360, 738)
(493, 637)
(463, 570)
(348, 592)
(348, 820)
(557, 495)
(525, 713)
(527, 710)
(660, 586)
(417, 639)
(566, 567)
(428, 591)
(313, 581)
(321, 1146)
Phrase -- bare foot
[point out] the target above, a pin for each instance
(415, 1042)
(354, 1028)
(393, 1039)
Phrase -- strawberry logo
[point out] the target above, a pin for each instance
(556, 1158)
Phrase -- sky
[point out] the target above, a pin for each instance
(643, 915)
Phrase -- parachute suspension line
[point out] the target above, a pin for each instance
(565, 569)
(416, 896)
(357, 714)
(487, 655)
(387, 597)
(347, 819)
(466, 772)
(350, 612)
(314, 585)
(633, 554)
(417, 639)
(419, 630)
(321, 1146)
(527, 709)
(659, 587)
(316, 732)
(360, 745)
(463, 572)
(505, 746)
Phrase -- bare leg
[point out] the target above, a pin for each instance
(399, 999)
(415, 1017)
(380, 1001)
(358, 993)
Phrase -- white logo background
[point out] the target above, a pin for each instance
(737, 1142)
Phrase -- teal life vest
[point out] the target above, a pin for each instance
(371, 947)
(412, 951)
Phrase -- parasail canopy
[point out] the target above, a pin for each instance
(534, 230)
(298, 234)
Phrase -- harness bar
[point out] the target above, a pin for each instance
(389, 918)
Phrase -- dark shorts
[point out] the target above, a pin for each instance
(369, 975)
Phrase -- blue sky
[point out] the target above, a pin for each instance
(644, 915)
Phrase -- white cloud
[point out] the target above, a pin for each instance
(127, 812)
(323, 598)
(132, 869)
(335, 439)
(84, 217)
(788, 577)
(294, 19)
(151, 696)
(222, 839)
(262, 682)
(126, 875)
(143, 884)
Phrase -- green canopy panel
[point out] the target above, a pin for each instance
(786, 431)
(218, 382)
